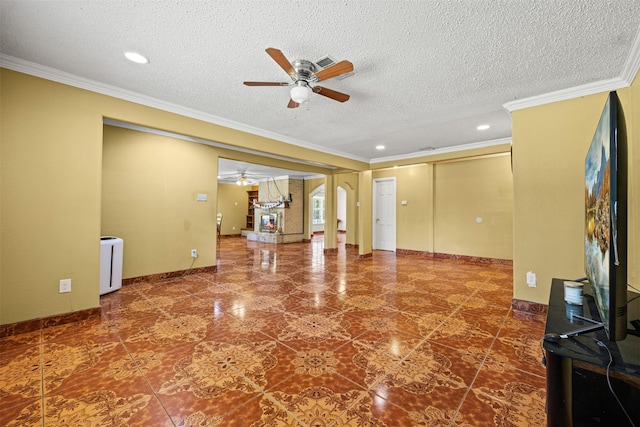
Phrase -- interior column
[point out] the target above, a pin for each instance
(330, 213)
(365, 212)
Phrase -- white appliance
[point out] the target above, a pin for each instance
(111, 249)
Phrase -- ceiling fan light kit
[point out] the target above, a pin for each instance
(300, 93)
(244, 181)
(303, 73)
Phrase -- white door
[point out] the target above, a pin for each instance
(384, 214)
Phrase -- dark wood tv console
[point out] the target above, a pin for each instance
(577, 389)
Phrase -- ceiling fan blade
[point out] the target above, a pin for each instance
(292, 104)
(335, 70)
(266, 83)
(282, 60)
(338, 96)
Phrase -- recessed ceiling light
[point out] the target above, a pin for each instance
(379, 147)
(136, 57)
(483, 127)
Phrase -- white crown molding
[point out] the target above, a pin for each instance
(445, 150)
(48, 73)
(565, 94)
(632, 64)
(629, 72)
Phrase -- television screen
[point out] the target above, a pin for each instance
(605, 219)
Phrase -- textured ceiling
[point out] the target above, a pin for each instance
(426, 72)
(230, 171)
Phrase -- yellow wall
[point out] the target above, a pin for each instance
(470, 189)
(51, 175)
(149, 190)
(631, 101)
(365, 212)
(413, 221)
(550, 143)
(444, 200)
(233, 203)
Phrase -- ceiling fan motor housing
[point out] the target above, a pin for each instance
(304, 70)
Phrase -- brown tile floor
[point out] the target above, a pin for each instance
(282, 335)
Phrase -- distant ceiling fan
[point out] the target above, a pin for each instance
(239, 178)
(304, 74)
(243, 180)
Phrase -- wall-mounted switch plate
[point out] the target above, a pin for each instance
(531, 279)
(65, 286)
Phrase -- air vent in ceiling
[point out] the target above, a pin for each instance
(325, 62)
(328, 61)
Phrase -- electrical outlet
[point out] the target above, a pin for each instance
(531, 279)
(65, 286)
(194, 253)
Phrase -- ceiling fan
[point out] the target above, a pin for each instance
(240, 178)
(243, 180)
(304, 74)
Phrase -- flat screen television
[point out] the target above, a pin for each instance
(605, 240)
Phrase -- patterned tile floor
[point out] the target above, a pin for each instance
(282, 335)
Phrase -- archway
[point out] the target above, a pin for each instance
(317, 206)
